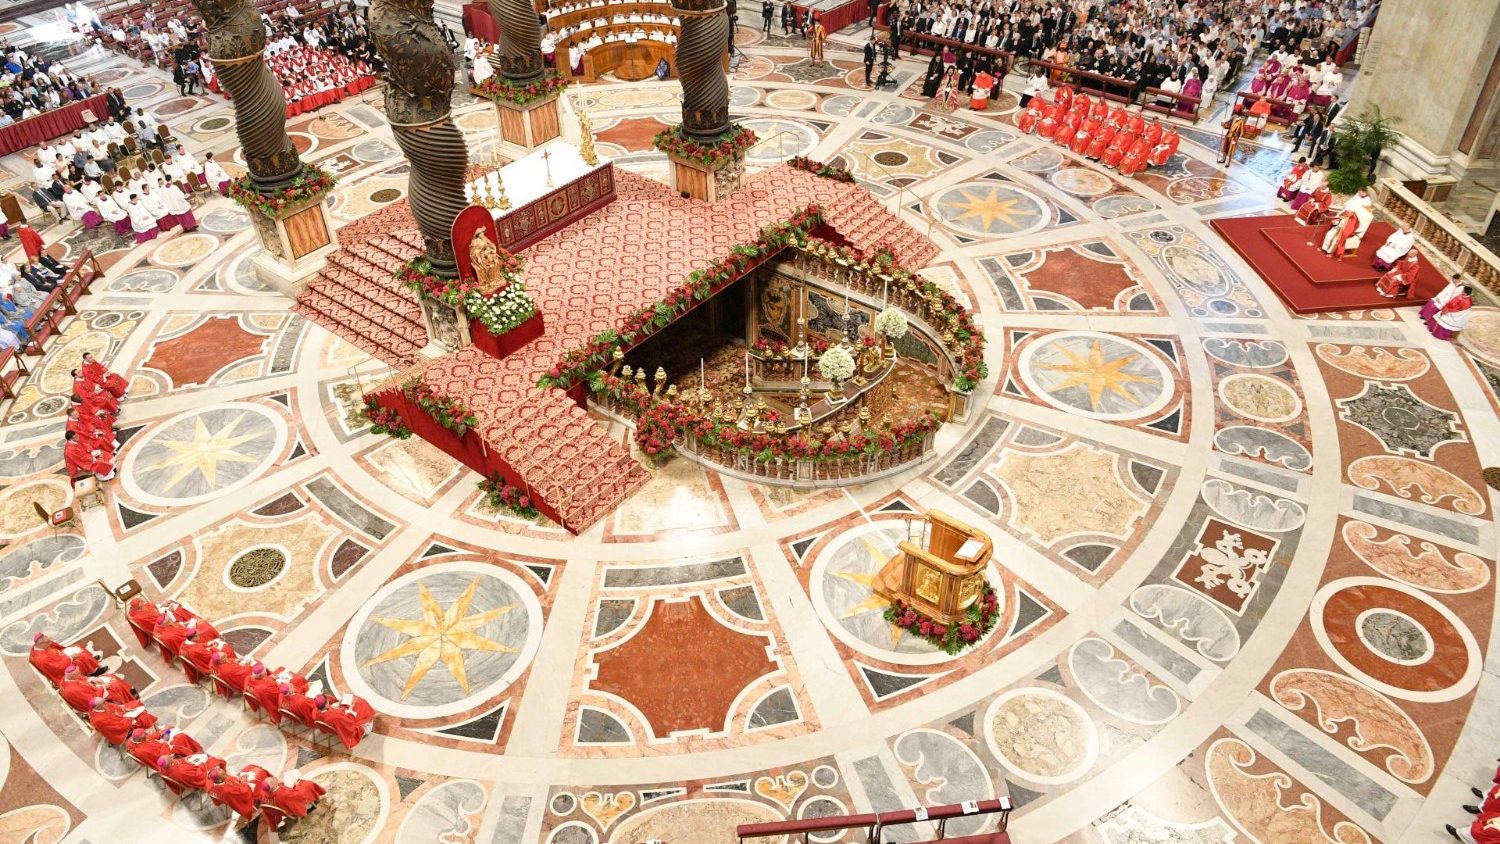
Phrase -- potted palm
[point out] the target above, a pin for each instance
(1360, 143)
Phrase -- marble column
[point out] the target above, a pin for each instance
(295, 243)
(419, 105)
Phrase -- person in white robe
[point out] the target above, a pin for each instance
(214, 175)
(1394, 249)
(142, 222)
(79, 208)
(165, 220)
(178, 206)
(110, 210)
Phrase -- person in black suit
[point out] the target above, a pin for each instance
(767, 12)
(788, 18)
(115, 101)
(869, 60)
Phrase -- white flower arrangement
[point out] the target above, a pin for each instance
(891, 323)
(503, 310)
(836, 364)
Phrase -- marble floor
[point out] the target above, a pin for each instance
(1245, 560)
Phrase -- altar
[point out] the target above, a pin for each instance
(548, 189)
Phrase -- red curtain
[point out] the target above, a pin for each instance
(53, 124)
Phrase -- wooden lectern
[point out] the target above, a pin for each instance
(944, 578)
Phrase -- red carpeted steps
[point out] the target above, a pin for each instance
(357, 296)
(864, 220)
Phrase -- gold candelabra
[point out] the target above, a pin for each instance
(502, 201)
(586, 131)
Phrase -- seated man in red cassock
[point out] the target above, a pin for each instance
(264, 694)
(197, 656)
(233, 792)
(116, 689)
(192, 619)
(115, 723)
(93, 396)
(82, 460)
(76, 691)
(350, 721)
(1399, 281)
(293, 798)
(192, 771)
(146, 746)
(181, 743)
(1484, 830)
(303, 709)
(233, 673)
(171, 636)
(143, 617)
(53, 659)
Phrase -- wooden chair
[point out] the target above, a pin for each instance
(129, 129)
(131, 146)
(57, 519)
(107, 182)
(114, 151)
(157, 158)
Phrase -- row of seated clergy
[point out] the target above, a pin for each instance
(627, 37)
(182, 636)
(617, 21)
(114, 710)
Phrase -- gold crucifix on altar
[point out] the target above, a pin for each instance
(547, 163)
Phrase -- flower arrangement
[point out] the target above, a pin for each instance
(818, 168)
(949, 638)
(836, 365)
(700, 284)
(962, 337)
(497, 87)
(661, 424)
(310, 184)
(656, 429)
(498, 311)
(720, 150)
(449, 412)
(891, 323)
(383, 420)
(504, 496)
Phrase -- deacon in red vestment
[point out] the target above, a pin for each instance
(350, 723)
(143, 616)
(79, 459)
(115, 723)
(31, 241)
(95, 371)
(1399, 281)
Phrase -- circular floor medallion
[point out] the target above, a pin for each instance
(202, 454)
(1101, 376)
(256, 567)
(1260, 397)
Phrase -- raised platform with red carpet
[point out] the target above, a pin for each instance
(587, 278)
(1309, 281)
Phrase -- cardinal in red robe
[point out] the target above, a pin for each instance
(115, 723)
(1484, 830)
(143, 616)
(350, 723)
(231, 672)
(79, 459)
(146, 746)
(192, 771)
(265, 694)
(1398, 282)
(77, 692)
(302, 708)
(1135, 160)
(1164, 149)
(233, 792)
(1102, 139)
(295, 801)
(31, 241)
(198, 654)
(53, 659)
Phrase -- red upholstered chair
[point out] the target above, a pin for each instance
(57, 519)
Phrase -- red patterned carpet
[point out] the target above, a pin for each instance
(585, 279)
(1309, 281)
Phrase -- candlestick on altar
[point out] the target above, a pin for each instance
(502, 201)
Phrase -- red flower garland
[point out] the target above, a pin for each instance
(310, 184)
(498, 88)
(721, 150)
(949, 638)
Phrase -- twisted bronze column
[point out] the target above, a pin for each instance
(700, 67)
(519, 58)
(236, 44)
(419, 104)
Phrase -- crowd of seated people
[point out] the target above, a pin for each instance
(1165, 45)
(24, 289)
(34, 85)
(1296, 83)
(113, 709)
(1115, 137)
(317, 63)
(183, 637)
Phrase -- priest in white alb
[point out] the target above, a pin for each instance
(1394, 249)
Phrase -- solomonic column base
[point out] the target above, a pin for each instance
(708, 182)
(524, 128)
(294, 246)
